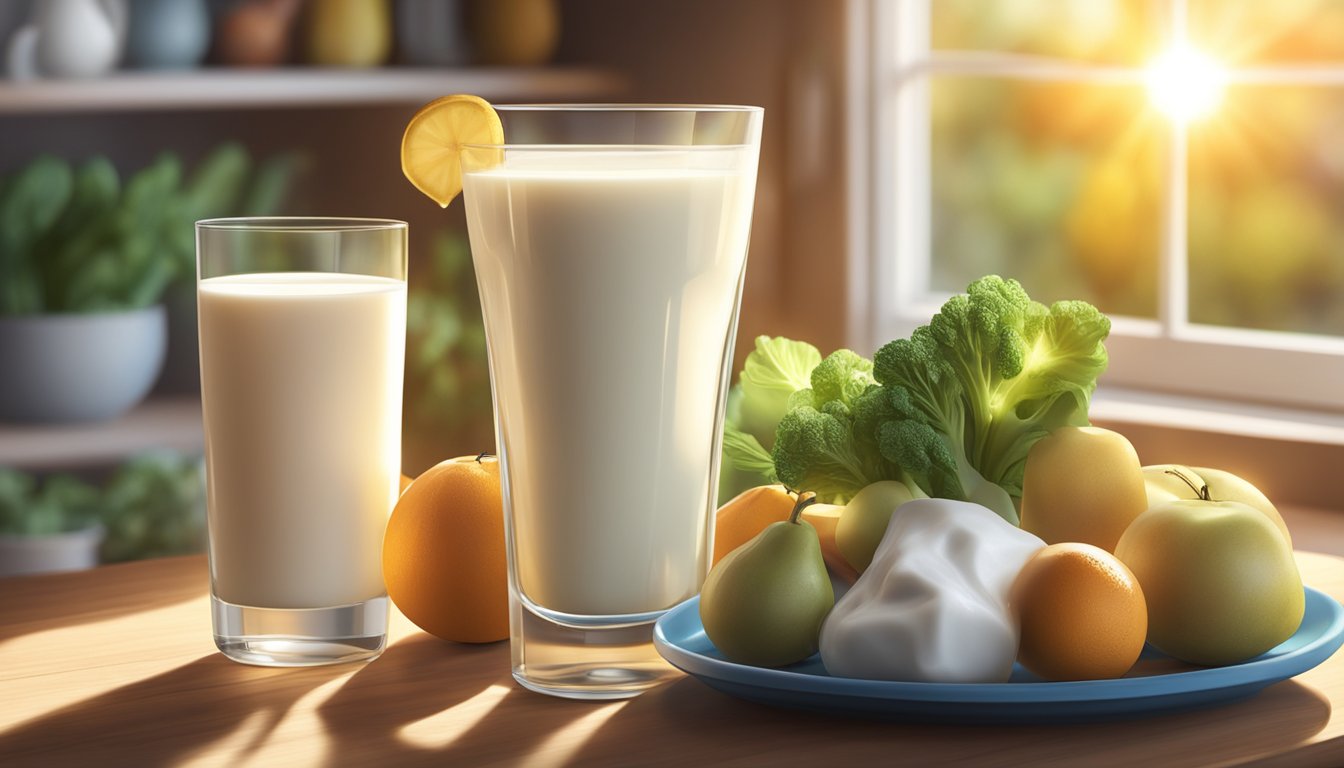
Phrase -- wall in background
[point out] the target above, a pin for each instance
(787, 57)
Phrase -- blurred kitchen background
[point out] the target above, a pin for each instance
(1039, 155)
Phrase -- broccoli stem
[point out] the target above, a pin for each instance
(915, 489)
(983, 492)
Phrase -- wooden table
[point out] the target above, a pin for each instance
(116, 666)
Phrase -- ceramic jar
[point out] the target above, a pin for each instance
(513, 32)
(167, 34)
(348, 33)
(430, 33)
(255, 33)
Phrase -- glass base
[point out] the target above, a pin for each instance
(280, 637)
(605, 658)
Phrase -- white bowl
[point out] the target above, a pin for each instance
(73, 551)
(79, 367)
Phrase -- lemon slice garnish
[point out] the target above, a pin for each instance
(433, 138)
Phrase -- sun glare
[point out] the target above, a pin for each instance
(1185, 84)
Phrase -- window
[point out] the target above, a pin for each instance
(1175, 162)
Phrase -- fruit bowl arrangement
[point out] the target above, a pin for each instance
(1152, 688)
(1001, 558)
(994, 550)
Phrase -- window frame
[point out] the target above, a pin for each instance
(889, 67)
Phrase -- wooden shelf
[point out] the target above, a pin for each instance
(158, 423)
(221, 88)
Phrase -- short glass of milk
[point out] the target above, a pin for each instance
(610, 245)
(302, 336)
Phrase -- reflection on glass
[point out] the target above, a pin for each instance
(1056, 184)
(1266, 233)
(1104, 31)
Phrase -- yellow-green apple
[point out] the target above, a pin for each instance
(1220, 580)
(864, 521)
(1082, 484)
(1167, 482)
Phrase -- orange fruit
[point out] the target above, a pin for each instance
(405, 483)
(1082, 613)
(747, 514)
(443, 553)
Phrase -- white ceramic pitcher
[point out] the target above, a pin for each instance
(69, 38)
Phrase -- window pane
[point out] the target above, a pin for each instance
(1054, 184)
(1109, 31)
(1257, 31)
(1266, 235)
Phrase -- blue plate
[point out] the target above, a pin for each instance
(1157, 685)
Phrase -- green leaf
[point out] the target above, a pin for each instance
(154, 506)
(774, 370)
(84, 223)
(30, 203)
(272, 185)
(743, 452)
(217, 183)
(149, 284)
(89, 288)
(148, 193)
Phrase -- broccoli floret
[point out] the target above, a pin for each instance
(815, 445)
(815, 451)
(992, 373)
(843, 376)
(952, 410)
(829, 442)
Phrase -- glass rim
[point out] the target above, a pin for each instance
(625, 107)
(632, 107)
(605, 147)
(300, 224)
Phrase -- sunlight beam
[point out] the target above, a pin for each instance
(441, 729)
(1185, 84)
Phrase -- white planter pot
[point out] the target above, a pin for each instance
(79, 367)
(73, 551)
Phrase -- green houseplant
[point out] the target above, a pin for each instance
(152, 505)
(447, 409)
(48, 526)
(85, 259)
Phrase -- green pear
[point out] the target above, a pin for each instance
(864, 521)
(764, 602)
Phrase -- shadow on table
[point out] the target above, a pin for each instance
(655, 729)
(430, 702)
(166, 718)
(391, 712)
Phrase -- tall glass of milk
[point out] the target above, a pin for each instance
(610, 245)
(303, 333)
